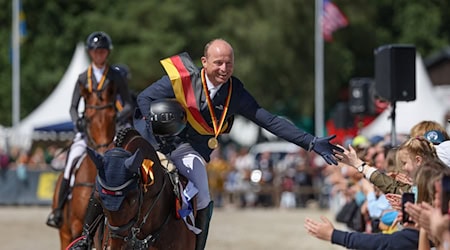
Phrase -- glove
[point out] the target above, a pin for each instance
(323, 147)
(81, 124)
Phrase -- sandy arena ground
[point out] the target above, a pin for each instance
(231, 228)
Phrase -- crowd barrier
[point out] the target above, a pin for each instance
(27, 187)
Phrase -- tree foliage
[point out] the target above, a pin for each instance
(273, 42)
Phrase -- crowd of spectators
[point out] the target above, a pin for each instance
(39, 158)
(368, 185)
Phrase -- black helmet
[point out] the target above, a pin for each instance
(99, 40)
(168, 117)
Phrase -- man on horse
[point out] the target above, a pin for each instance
(98, 75)
(211, 97)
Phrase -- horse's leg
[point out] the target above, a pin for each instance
(65, 235)
(56, 191)
(80, 199)
(100, 236)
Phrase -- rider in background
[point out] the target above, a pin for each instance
(211, 97)
(98, 75)
(126, 74)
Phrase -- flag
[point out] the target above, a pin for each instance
(22, 24)
(332, 20)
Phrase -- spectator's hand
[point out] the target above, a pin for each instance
(321, 230)
(81, 124)
(414, 211)
(395, 200)
(323, 147)
(434, 222)
(349, 157)
(403, 178)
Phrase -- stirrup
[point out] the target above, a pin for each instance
(55, 219)
(80, 243)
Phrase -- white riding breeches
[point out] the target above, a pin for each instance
(77, 149)
(190, 164)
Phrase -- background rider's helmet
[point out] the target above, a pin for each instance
(168, 117)
(99, 40)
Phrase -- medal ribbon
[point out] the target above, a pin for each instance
(102, 80)
(217, 127)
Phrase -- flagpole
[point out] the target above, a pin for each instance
(319, 85)
(15, 63)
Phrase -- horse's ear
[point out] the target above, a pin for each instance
(135, 161)
(95, 157)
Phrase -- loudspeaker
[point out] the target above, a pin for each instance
(361, 99)
(395, 72)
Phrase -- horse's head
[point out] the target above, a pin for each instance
(117, 175)
(120, 175)
(100, 114)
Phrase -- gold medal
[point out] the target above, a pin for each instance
(213, 143)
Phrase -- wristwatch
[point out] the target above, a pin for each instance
(361, 167)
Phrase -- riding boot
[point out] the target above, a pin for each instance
(91, 220)
(202, 221)
(56, 216)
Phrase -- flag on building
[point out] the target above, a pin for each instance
(332, 20)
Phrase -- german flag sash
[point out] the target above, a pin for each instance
(187, 85)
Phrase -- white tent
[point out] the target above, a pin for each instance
(427, 106)
(55, 109)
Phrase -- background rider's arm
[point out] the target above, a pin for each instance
(128, 106)
(76, 96)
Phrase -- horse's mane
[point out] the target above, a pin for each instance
(124, 135)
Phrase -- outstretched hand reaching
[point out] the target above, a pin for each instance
(323, 147)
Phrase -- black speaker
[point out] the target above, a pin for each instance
(361, 99)
(395, 72)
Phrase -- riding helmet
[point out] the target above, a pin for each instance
(99, 40)
(168, 117)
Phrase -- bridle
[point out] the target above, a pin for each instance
(117, 231)
(90, 139)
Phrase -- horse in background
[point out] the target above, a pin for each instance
(100, 116)
(139, 197)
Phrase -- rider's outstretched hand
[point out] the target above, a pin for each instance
(323, 147)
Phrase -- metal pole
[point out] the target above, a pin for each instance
(15, 63)
(319, 85)
(393, 132)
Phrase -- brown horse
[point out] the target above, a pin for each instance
(139, 197)
(100, 115)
